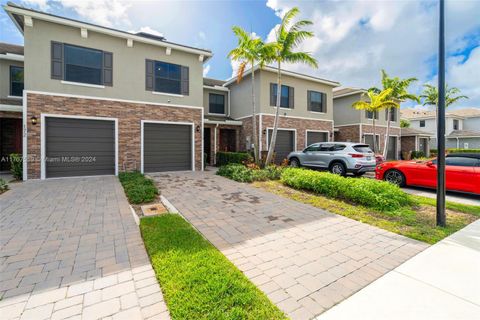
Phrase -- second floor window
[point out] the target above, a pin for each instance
(393, 114)
(166, 77)
(316, 101)
(286, 96)
(455, 125)
(370, 114)
(216, 103)
(422, 123)
(83, 65)
(16, 81)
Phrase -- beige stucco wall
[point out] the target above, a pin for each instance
(206, 94)
(5, 76)
(241, 96)
(300, 96)
(128, 65)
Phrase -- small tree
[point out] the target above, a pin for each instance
(288, 36)
(375, 103)
(430, 95)
(404, 123)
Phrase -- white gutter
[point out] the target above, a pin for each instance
(94, 28)
(11, 56)
(11, 108)
(219, 88)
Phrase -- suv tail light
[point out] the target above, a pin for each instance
(356, 155)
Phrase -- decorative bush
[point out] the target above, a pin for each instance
(138, 188)
(224, 158)
(3, 186)
(376, 194)
(434, 152)
(16, 168)
(417, 154)
(241, 173)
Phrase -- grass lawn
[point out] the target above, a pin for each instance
(197, 280)
(416, 222)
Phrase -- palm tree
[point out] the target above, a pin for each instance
(288, 36)
(375, 103)
(430, 95)
(249, 50)
(398, 93)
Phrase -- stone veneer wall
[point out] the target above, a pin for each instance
(408, 144)
(348, 133)
(129, 116)
(11, 114)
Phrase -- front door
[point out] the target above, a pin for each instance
(228, 140)
(10, 140)
(423, 145)
(206, 145)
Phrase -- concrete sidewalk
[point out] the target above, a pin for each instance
(441, 282)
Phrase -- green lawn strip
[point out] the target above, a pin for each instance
(138, 188)
(197, 280)
(460, 207)
(413, 222)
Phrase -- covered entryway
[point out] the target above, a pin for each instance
(369, 140)
(284, 145)
(10, 140)
(78, 147)
(423, 146)
(228, 140)
(392, 148)
(167, 146)
(315, 136)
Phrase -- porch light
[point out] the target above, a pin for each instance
(34, 120)
(264, 131)
(198, 128)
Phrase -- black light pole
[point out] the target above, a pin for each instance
(441, 219)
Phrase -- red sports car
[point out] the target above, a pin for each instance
(462, 172)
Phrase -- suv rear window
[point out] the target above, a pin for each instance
(363, 148)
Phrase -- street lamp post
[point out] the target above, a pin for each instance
(441, 218)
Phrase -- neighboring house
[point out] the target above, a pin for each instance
(462, 126)
(11, 87)
(306, 113)
(99, 100)
(357, 125)
(414, 140)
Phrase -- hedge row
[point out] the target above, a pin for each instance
(138, 188)
(224, 158)
(241, 173)
(376, 194)
(454, 150)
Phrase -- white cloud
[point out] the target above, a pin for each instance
(41, 4)
(149, 30)
(202, 35)
(103, 12)
(354, 40)
(464, 75)
(206, 69)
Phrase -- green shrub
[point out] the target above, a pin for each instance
(453, 150)
(418, 154)
(16, 168)
(224, 158)
(3, 185)
(138, 188)
(376, 194)
(241, 173)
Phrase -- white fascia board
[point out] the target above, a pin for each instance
(348, 94)
(11, 108)
(226, 122)
(216, 88)
(111, 32)
(11, 56)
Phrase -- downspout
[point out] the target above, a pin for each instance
(215, 144)
(260, 134)
(228, 99)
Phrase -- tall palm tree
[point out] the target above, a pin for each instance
(375, 103)
(250, 50)
(288, 36)
(398, 93)
(430, 95)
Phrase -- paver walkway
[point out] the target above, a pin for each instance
(70, 249)
(441, 282)
(305, 259)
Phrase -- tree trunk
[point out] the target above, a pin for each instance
(387, 135)
(273, 140)
(254, 121)
(374, 135)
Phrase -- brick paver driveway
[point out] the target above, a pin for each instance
(71, 248)
(305, 259)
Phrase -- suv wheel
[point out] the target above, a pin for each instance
(294, 163)
(338, 168)
(395, 177)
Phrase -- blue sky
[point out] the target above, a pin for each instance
(353, 40)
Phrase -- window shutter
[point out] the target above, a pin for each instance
(309, 100)
(108, 69)
(185, 81)
(291, 97)
(149, 75)
(324, 102)
(272, 95)
(57, 60)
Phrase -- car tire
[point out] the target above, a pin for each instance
(295, 163)
(338, 168)
(395, 177)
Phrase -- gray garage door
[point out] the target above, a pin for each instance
(284, 145)
(167, 147)
(78, 147)
(313, 137)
